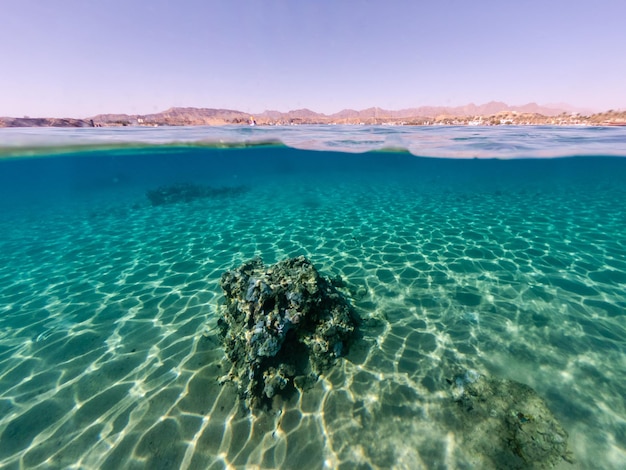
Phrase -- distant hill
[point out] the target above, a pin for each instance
(43, 122)
(177, 117)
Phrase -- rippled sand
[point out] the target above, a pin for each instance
(109, 355)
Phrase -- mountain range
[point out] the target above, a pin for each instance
(188, 116)
(210, 116)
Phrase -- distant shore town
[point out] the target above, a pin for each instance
(490, 114)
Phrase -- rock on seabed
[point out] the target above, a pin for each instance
(507, 424)
(187, 192)
(281, 326)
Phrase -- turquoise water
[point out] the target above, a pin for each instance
(513, 268)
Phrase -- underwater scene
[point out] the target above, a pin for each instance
(314, 297)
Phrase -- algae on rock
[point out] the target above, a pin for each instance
(507, 423)
(281, 325)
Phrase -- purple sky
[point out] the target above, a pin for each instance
(80, 57)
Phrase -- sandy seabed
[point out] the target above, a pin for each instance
(110, 357)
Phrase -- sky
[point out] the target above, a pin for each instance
(79, 58)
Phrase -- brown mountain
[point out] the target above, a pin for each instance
(43, 122)
(471, 109)
(177, 117)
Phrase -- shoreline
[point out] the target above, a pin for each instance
(209, 117)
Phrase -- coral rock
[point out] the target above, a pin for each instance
(279, 323)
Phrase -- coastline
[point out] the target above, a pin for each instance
(215, 117)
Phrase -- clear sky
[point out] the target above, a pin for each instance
(78, 58)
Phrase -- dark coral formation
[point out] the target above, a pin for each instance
(508, 423)
(186, 192)
(281, 323)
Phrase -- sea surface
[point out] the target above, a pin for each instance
(499, 251)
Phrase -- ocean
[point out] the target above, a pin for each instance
(466, 251)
